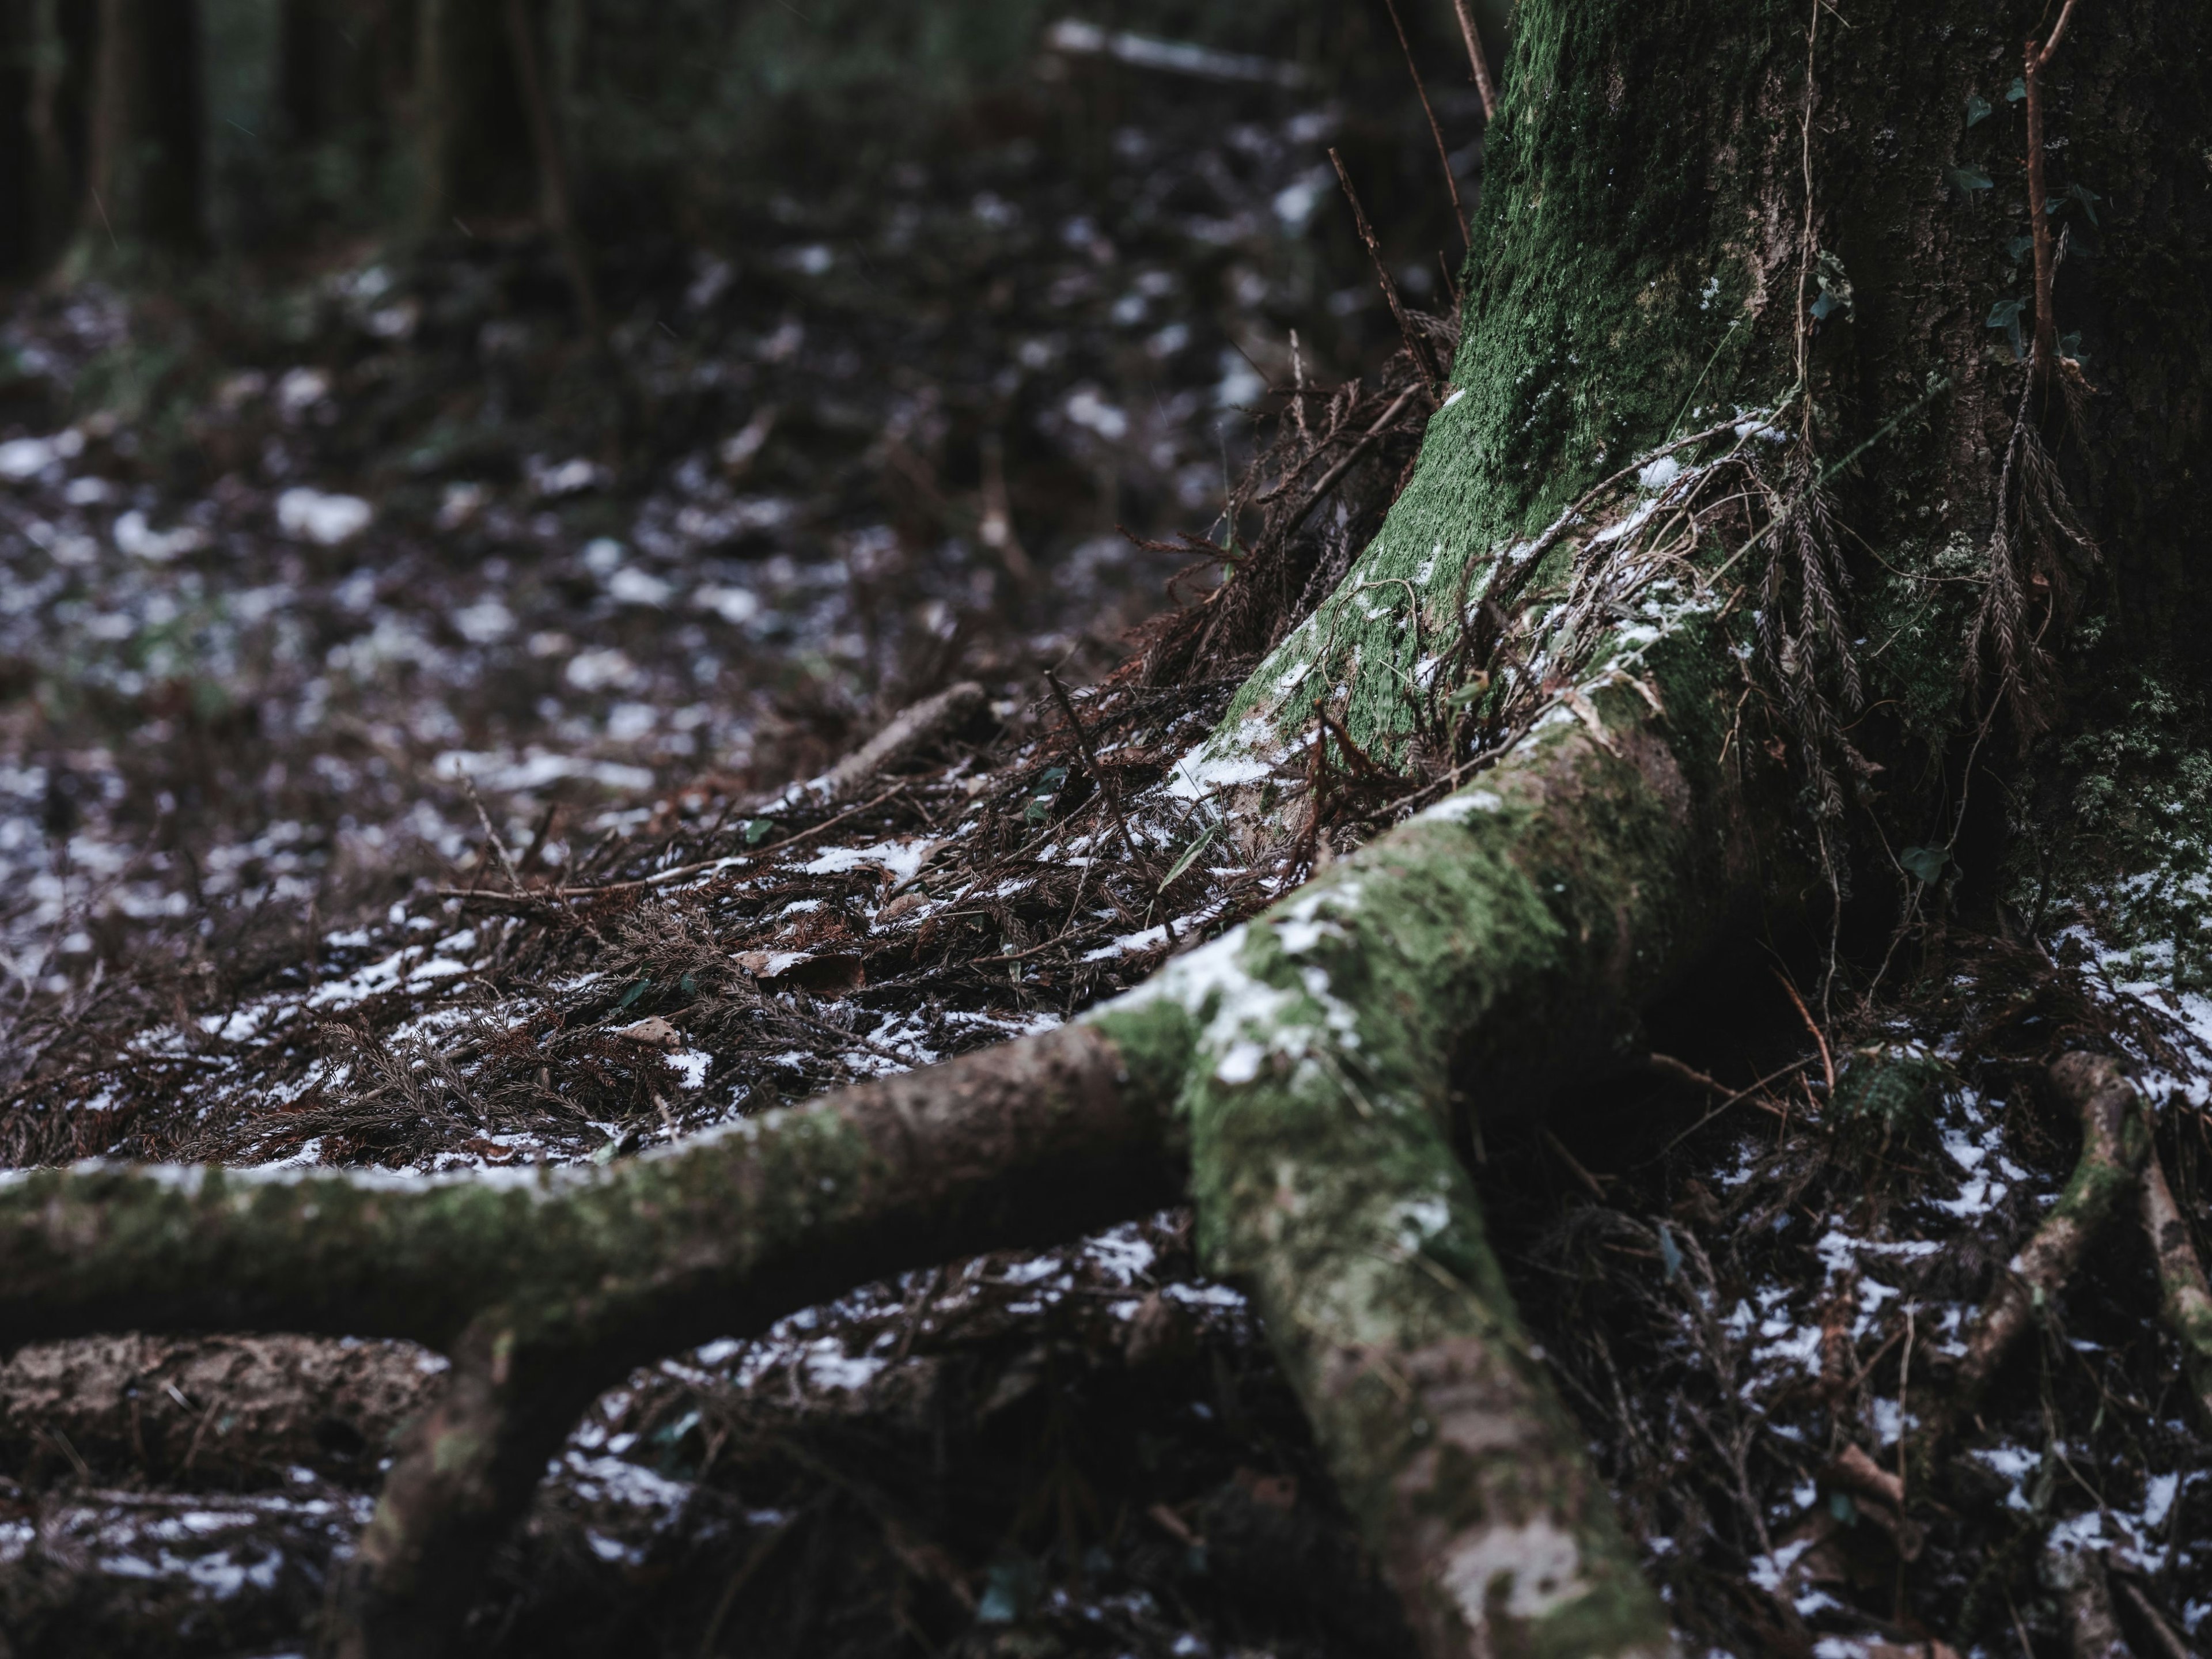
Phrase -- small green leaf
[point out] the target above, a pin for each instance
(1670, 1254)
(1843, 1508)
(2005, 312)
(2019, 248)
(1978, 108)
(2052, 204)
(1823, 307)
(2088, 198)
(2016, 91)
(1967, 180)
(633, 995)
(688, 985)
(1189, 857)
(1467, 693)
(758, 830)
(1925, 864)
(668, 1434)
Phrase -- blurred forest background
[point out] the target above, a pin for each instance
(568, 399)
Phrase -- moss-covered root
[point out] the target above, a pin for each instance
(546, 1290)
(2077, 1578)
(1488, 950)
(1031, 1142)
(2114, 1142)
(465, 1469)
(2185, 1299)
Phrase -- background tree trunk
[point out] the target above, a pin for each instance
(143, 187)
(44, 58)
(472, 130)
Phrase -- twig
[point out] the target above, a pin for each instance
(1479, 59)
(1106, 785)
(1574, 1166)
(2161, 1634)
(1416, 344)
(660, 875)
(1667, 1066)
(1827, 1061)
(1741, 1094)
(1330, 478)
(498, 847)
(1443, 155)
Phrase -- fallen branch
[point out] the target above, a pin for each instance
(909, 731)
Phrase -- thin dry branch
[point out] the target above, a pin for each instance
(1478, 59)
(2047, 327)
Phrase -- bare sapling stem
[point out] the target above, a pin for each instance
(1443, 155)
(1479, 58)
(2046, 326)
(1423, 356)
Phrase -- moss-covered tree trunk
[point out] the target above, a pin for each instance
(1741, 529)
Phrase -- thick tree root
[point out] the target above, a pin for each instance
(723, 1233)
(1500, 944)
(546, 1290)
(2115, 1140)
(1479, 956)
(2183, 1298)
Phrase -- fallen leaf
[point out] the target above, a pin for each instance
(654, 1032)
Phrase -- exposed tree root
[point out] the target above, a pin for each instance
(2077, 1577)
(2114, 1142)
(1502, 943)
(2185, 1300)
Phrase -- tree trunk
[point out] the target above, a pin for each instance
(1737, 536)
(143, 186)
(43, 76)
(472, 132)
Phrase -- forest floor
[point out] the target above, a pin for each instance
(416, 754)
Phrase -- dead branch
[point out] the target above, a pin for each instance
(1477, 60)
(909, 730)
